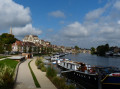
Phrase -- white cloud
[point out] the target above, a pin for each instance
(95, 14)
(13, 14)
(28, 29)
(106, 30)
(118, 22)
(117, 5)
(75, 30)
(62, 22)
(57, 14)
(100, 26)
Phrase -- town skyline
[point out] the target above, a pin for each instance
(68, 23)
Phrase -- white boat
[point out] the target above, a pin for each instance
(55, 57)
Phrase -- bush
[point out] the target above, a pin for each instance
(38, 61)
(43, 69)
(51, 72)
(60, 83)
(71, 87)
(6, 77)
(40, 64)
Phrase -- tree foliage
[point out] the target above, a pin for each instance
(6, 38)
(102, 49)
(76, 48)
(92, 50)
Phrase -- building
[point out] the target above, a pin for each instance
(17, 46)
(20, 46)
(32, 38)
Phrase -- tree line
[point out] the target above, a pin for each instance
(100, 50)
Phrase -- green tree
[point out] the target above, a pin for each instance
(92, 50)
(76, 48)
(30, 49)
(7, 38)
(1, 48)
(24, 49)
(38, 49)
(9, 47)
(35, 49)
(102, 49)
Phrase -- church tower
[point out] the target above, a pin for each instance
(11, 30)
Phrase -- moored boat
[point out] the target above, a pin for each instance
(92, 76)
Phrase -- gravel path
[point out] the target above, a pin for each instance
(44, 82)
(24, 78)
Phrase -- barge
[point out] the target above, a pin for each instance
(93, 77)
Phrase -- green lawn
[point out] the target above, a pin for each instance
(3, 57)
(9, 62)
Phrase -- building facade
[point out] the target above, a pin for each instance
(32, 38)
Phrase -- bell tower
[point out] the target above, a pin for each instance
(11, 30)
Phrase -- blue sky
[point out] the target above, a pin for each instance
(85, 23)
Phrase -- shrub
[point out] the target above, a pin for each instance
(60, 83)
(71, 86)
(38, 61)
(51, 72)
(40, 64)
(43, 69)
(6, 77)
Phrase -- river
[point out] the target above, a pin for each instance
(94, 59)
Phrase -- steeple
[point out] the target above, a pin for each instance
(10, 30)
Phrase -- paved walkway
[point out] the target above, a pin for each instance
(24, 78)
(2, 59)
(44, 82)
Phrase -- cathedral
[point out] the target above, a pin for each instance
(32, 38)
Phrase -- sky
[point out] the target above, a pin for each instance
(86, 23)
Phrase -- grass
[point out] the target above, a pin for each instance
(9, 62)
(3, 57)
(7, 68)
(34, 77)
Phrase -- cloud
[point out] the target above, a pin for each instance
(95, 14)
(100, 26)
(28, 29)
(16, 16)
(75, 30)
(57, 14)
(117, 5)
(61, 22)
(13, 14)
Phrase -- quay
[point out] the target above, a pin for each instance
(44, 82)
(25, 80)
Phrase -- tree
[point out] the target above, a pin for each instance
(76, 48)
(7, 38)
(102, 49)
(92, 50)
(38, 49)
(30, 49)
(9, 47)
(1, 48)
(24, 49)
(35, 49)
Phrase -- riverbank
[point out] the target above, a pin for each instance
(44, 82)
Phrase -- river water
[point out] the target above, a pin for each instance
(94, 59)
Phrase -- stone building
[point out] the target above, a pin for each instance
(20, 46)
(32, 38)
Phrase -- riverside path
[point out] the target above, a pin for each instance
(24, 77)
(44, 82)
